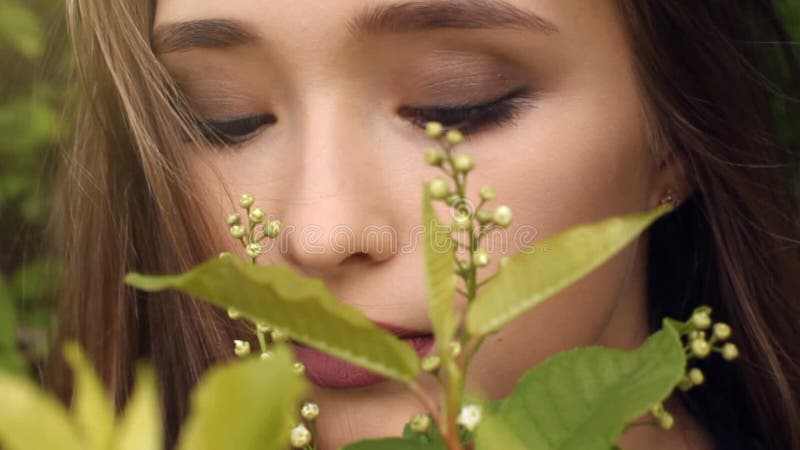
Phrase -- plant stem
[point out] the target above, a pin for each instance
(426, 401)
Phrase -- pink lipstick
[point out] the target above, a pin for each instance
(330, 372)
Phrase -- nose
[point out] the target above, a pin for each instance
(338, 205)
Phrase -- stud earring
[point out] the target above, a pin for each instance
(670, 197)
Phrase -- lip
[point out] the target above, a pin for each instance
(330, 372)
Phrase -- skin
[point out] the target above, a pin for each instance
(341, 155)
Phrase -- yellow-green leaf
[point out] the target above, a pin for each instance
(140, 426)
(249, 404)
(302, 307)
(20, 28)
(440, 278)
(582, 399)
(32, 420)
(92, 408)
(530, 278)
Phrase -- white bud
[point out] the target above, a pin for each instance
(237, 231)
(241, 348)
(300, 436)
(246, 201)
(730, 352)
(434, 130)
(262, 327)
(266, 355)
(431, 363)
(463, 163)
(722, 331)
(696, 376)
(700, 348)
(701, 320)
(502, 216)
(420, 423)
(309, 411)
(253, 250)
(438, 188)
(278, 336)
(298, 368)
(481, 258)
(469, 417)
(272, 228)
(257, 215)
(234, 219)
(455, 137)
(234, 313)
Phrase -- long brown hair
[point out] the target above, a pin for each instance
(126, 200)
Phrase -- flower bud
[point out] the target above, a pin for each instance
(298, 368)
(246, 201)
(434, 157)
(484, 216)
(685, 384)
(257, 215)
(722, 331)
(262, 327)
(488, 193)
(234, 219)
(253, 250)
(300, 436)
(234, 313)
(481, 258)
(701, 320)
(469, 417)
(431, 363)
(272, 228)
(278, 336)
(420, 423)
(455, 349)
(502, 216)
(462, 222)
(266, 355)
(237, 231)
(438, 188)
(309, 411)
(434, 130)
(700, 348)
(730, 352)
(696, 376)
(462, 265)
(463, 163)
(666, 421)
(241, 348)
(455, 137)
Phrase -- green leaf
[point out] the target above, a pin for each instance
(439, 274)
(140, 425)
(531, 278)
(32, 420)
(302, 307)
(395, 444)
(582, 399)
(20, 28)
(250, 404)
(92, 408)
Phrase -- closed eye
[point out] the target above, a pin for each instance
(471, 118)
(234, 131)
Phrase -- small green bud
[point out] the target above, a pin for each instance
(431, 363)
(462, 222)
(701, 320)
(257, 215)
(481, 258)
(262, 328)
(438, 188)
(246, 201)
(730, 351)
(696, 376)
(272, 228)
(434, 157)
(484, 216)
(309, 411)
(237, 231)
(722, 331)
(666, 421)
(300, 436)
(685, 384)
(234, 219)
(455, 137)
(253, 250)
(298, 368)
(463, 163)
(234, 313)
(241, 348)
(700, 348)
(502, 216)
(420, 423)
(266, 355)
(469, 417)
(488, 193)
(455, 349)
(657, 410)
(278, 336)
(434, 130)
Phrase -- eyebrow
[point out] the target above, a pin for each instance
(395, 18)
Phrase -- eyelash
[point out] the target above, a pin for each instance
(469, 119)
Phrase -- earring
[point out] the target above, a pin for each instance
(670, 197)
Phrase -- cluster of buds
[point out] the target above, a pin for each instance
(662, 416)
(248, 234)
(302, 435)
(451, 189)
(703, 337)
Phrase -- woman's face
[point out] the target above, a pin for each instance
(324, 101)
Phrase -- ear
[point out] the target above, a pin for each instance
(670, 174)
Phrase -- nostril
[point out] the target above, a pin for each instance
(359, 258)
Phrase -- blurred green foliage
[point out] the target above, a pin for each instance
(35, 60)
